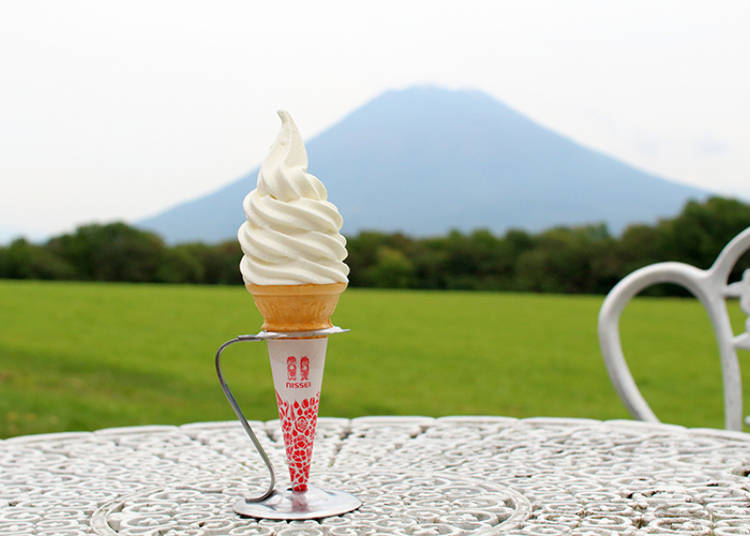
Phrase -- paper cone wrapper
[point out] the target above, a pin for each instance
(297, 368)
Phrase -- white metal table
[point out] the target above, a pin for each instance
(421, 476)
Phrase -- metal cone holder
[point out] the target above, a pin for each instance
(297, 362)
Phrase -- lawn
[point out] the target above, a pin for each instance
(82, 356)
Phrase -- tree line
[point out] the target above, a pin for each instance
(565, 259)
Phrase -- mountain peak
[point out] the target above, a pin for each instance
(425, 159)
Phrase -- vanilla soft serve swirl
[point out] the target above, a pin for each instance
(291, 236)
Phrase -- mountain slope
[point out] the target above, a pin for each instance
(425, 160)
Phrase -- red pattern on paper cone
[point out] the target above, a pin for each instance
(298, 420)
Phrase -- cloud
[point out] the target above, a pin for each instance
(647, 145)
(710, 146)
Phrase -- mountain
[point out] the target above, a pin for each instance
(425, 160)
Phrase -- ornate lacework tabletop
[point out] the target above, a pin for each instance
(420, 476)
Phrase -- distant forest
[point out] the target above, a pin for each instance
(576, 259)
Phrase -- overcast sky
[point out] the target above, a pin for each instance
(117, 110)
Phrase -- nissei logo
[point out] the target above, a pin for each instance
(303, 369)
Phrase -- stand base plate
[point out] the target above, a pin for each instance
(315, 503)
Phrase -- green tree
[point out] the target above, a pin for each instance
(179, 265)
(225, 263)
(391, 270)
(565, 259)
(111, 252)
(219, 263)
(701, 230)
(23, 260)
(369, 249)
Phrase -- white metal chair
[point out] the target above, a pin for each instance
(711, 287)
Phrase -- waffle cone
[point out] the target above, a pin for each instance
(296, 307)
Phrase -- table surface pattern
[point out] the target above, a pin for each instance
(415, 475)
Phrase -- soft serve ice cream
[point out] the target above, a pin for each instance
(291, 235)
(293, 266)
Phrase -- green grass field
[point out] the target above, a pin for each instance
(82, 356)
